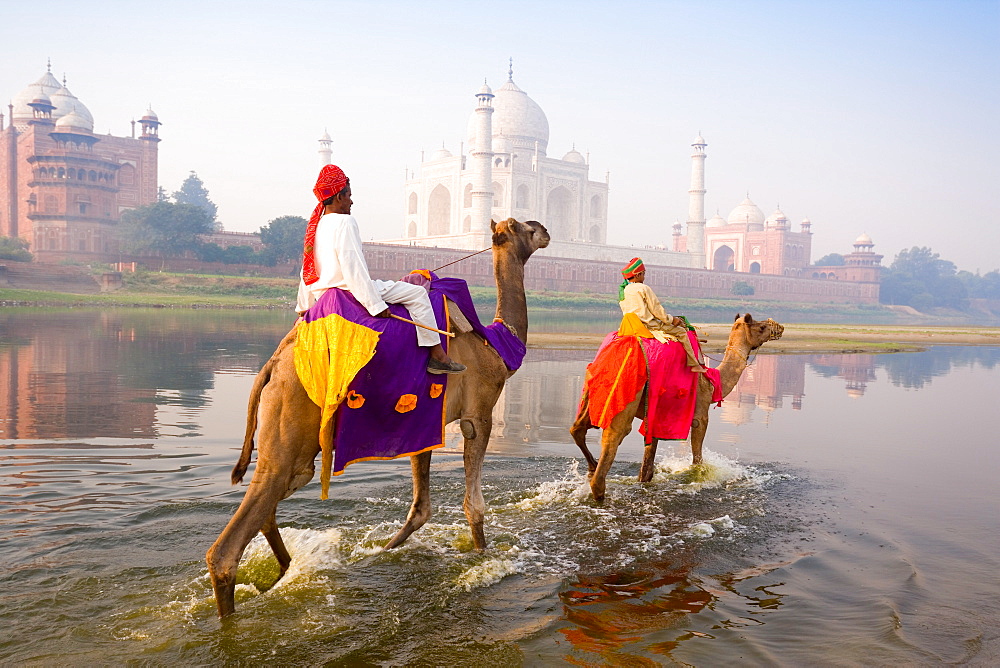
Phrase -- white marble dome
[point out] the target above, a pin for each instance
(863, 240)
(516, 116)
(575, 156)
(747, 213)
(65, 103)
(75, 122)
(716, 221)
(776, 217)
(441, 154)
(44, 88)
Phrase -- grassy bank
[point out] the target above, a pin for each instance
(182, 290)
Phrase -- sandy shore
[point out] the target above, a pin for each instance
(812, 338)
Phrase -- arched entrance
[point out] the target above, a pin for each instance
(439, 211)
(559, 211)
(724, 259)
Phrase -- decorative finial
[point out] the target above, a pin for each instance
(49, 65)
(510, 71)
(64, 79)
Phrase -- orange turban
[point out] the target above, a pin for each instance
(331, 181)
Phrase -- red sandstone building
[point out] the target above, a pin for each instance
(62, 187)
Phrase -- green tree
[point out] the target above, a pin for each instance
(193, 191)
(164, 228)
(830, 260)
(918, 277)
(282, 238)
(742, 288)
(14, 248)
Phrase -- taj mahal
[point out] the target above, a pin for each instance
(449, 200)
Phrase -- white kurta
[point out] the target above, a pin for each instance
(340, 263)
(642, 300)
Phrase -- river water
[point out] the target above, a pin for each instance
(850, 516)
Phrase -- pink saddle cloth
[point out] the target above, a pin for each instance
(613, 380)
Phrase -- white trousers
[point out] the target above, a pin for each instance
(416, 301)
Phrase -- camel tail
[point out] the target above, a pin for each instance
(262, 379)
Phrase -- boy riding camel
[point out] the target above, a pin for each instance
(634, 296)
(332, 258)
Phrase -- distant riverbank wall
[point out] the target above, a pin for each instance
(554, 274)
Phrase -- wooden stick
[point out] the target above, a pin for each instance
(399, 317)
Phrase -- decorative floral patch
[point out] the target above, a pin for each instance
(436, 390)
(406, 403)
(355, 400)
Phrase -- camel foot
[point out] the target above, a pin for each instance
(400, 537)
(478, 536)
(225, 595)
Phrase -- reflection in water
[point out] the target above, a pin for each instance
(104, 373)
(106, 507)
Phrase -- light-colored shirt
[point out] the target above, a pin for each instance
(340, 263)
(641, 300)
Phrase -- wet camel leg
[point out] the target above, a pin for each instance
(420, 509)
(273, 536)
(699, 425)
(476, 431)
(648, 457)
(259, 503)
(579, 432)
(612, 437)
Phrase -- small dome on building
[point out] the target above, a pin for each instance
(65, 103)
(806, 221)
(776, 218)
(44, 88)
(42, 99)
(716, 221)
(75, 123)
(501, 144)
(699, 141)
(441, 153)
(863, 240)
(746, 213)
(575, 156)
(326, 136)
(484, 90)
(150, 115)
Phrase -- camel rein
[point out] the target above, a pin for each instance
(461, 258)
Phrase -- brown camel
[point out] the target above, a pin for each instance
(289, 424)
(746, 336)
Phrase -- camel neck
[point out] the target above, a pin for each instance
(512, 305)
(734, 362)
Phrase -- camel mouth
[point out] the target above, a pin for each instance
(777, 329)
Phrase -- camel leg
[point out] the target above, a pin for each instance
(273, 536)
(477, 436)
(420, 509)
(579, 431)
(648, 455)
(699, 425)
(256, 509)
(612, 437)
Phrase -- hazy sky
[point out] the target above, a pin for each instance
(877, 117)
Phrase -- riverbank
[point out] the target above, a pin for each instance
(810, 338)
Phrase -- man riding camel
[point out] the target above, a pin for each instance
(333, 258)
(634, 296)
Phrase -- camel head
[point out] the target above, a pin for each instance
(756, 333)
(520, 239)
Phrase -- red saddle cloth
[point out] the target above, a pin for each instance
(624, 365)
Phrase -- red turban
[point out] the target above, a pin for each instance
(331, 181)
